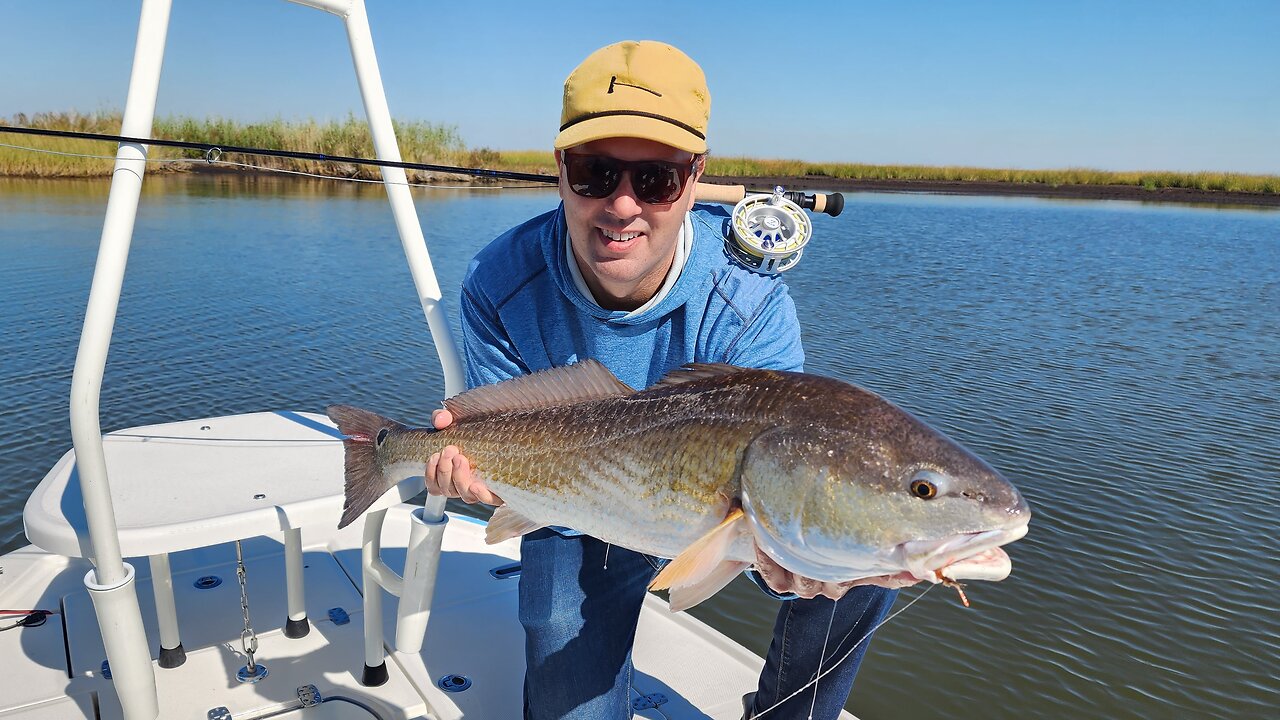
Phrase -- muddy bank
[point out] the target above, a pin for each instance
(1070, 192)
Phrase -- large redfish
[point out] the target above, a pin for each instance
(829, 480)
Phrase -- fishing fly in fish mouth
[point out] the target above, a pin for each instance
(728, 466)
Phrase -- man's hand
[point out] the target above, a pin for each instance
(782, 580)
(449, 472)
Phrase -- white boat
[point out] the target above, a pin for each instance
(151, 597)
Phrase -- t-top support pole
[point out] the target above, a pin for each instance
(111, 582)
(414, 244)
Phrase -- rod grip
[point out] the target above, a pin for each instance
(829, 203)
(727, 194)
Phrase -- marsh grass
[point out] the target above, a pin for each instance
(531, 161)
(23, 163)
(441, 145)
(419, 142)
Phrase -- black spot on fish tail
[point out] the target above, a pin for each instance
(364, 480)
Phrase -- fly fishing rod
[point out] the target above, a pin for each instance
(767, 230)
(830, 203)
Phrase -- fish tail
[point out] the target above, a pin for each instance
(364, 480)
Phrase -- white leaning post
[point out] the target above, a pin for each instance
(296, 624)
(111, 582)
(418, 586)
(172, 654)
(421, 561)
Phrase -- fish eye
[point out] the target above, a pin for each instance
(382, 435)
(928, 484)
(924, 489)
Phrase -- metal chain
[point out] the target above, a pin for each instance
(248, 640)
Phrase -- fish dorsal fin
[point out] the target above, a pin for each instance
(586, 380)
(696, 371)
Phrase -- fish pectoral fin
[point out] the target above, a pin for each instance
(704, 556)
(704, 567)
(507, 523)
(684, 597)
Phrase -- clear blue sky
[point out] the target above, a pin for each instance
(1138, 84)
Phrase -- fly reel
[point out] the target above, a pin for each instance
(769, 232)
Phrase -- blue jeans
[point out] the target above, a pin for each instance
(580, 622)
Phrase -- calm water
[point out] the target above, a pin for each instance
(1117, 361)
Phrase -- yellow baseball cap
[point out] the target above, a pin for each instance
(644, 89)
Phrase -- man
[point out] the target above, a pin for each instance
(628, 272)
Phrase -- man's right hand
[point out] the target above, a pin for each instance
(449, 472)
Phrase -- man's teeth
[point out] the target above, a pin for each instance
(620, 236)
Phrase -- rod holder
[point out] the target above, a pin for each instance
(125, 640)
(421, 563)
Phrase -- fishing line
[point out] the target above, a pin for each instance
(362, 180)
(205, 441)
(83, 155)
(814, 681)
(823, 656)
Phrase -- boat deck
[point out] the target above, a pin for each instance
(56, 670)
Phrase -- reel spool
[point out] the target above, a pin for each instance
(769, 232)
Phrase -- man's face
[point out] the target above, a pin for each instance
(624, 246)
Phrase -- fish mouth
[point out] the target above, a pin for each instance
(971, 555)
(975, 556)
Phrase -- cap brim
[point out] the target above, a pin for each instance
(630, 126)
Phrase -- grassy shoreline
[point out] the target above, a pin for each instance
(438, 144)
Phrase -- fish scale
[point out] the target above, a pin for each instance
(680, 480)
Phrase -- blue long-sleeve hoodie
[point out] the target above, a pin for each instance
(521, 311)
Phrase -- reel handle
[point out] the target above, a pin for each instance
(829, 203)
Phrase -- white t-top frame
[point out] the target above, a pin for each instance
(111, 583)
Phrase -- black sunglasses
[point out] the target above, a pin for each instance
(656, 182)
